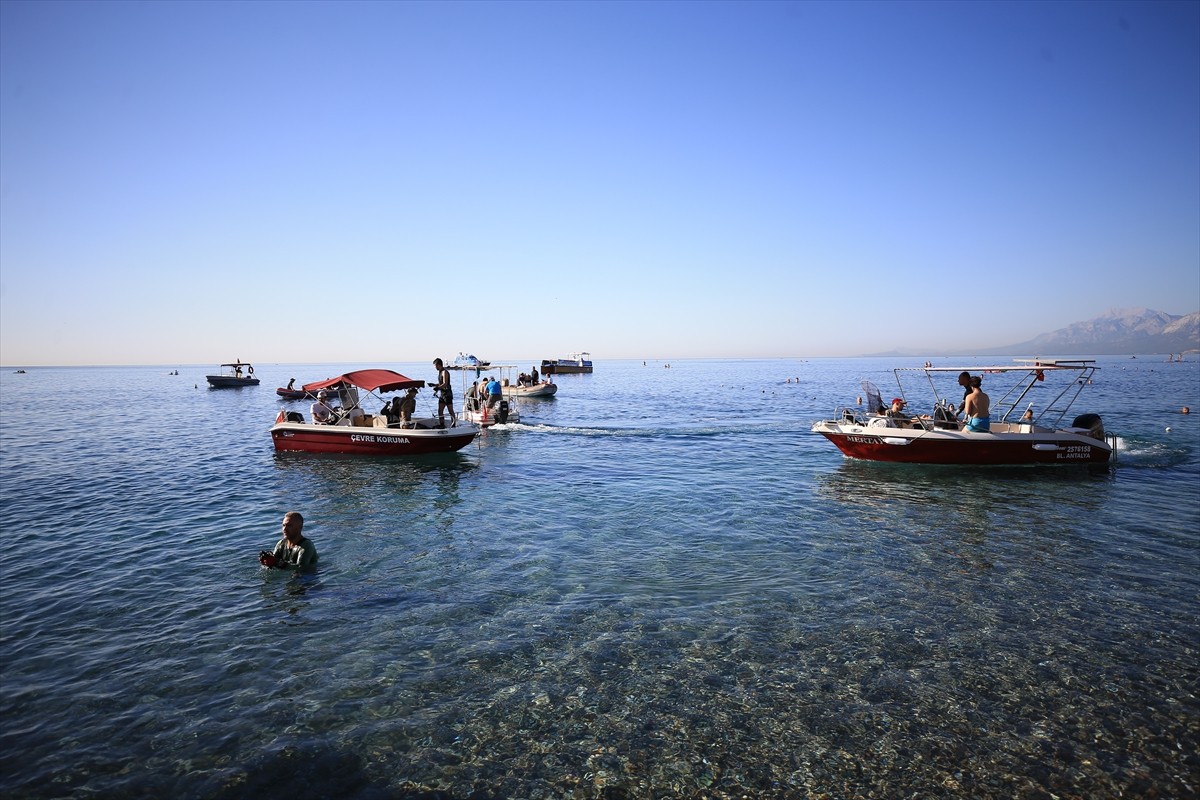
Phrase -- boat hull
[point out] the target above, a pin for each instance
(229, 382)
(295, 394)
(551, 368)
(958, 447)
(487, 417)
(541, 390)
(353, 440)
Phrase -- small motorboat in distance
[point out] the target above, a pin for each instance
(238, 373)
(573, 363)
(466, 361)
(306, 392)
(528, 384)
(540, 389)
(353, 430)
(295, 394)
(1018, 434)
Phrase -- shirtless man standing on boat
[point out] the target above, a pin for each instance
(445, 393)
(977, 407)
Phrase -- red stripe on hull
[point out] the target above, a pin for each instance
(368, 441)
(982, 452)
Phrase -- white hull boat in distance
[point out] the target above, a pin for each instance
(1018, 434)
(354, 431)
(238, 373)
(467, 361)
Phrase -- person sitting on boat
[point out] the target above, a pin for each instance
(291, 383)
(322, 412)
(897, 414)
(533, 376)
(405, 406)
(294, 550)
(977, 408)
(391, 410)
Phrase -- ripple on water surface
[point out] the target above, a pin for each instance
(626, 595)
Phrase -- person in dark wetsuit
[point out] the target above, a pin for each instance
(964, 380)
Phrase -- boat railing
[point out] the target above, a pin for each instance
(1050, 412)
(1054, 411)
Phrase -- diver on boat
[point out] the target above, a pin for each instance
(964, 380)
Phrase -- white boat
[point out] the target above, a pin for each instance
(479, 410)
(1027, 419)
(527, 385)
(540, 389)
(466, 361)
(355, 430)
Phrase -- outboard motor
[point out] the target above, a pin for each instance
(1093, 424)
(502, 413)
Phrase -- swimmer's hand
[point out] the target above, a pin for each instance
(267, 559)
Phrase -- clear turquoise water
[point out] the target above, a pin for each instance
(659, 584)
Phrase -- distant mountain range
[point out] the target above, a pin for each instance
(1118, 331)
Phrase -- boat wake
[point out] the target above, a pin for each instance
(570, 430)
(700, 431)
(1151, 454)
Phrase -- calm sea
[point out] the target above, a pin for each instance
(660, 584)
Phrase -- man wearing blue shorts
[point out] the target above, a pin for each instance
(977, 408)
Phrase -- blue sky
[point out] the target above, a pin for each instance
(380, 182)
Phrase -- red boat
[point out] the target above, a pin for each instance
(1015, 436)
(356, 431)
